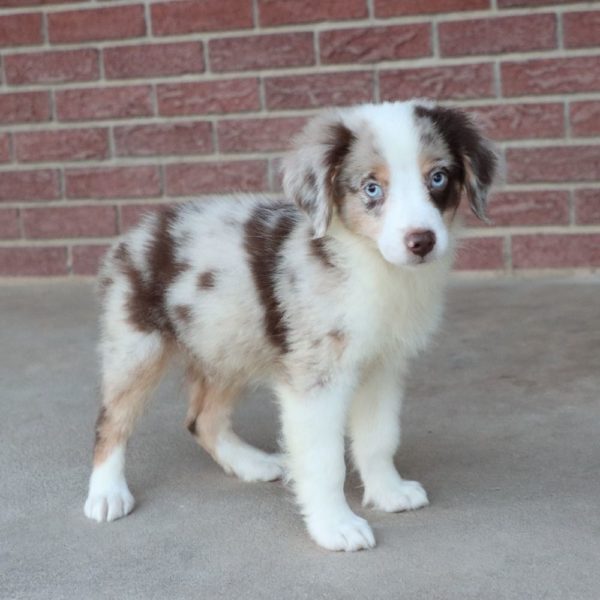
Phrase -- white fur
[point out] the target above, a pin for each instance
(109, 497)
(246, 462)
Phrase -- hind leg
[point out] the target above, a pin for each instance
(132, 366)
(209, 420)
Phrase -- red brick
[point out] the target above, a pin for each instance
(374, 44)
(25, 107)
(131, 214)
(521, 121)
(261, 52)
(52, 67)
(170, 138)
(558, 163)
(480, 254)
(556, 251)
(4, 147)
(585, 118)
(587, 207)
(20, 30)
(581, 29)
(551, 76)
(113, 182)
(21, 3)
(284, 12)
(104, 103)
(257, 135)
(209, 177)
(511, 3)
(61, 145)
(153, 60)
(69, 222)
(9, 224)
(208, 97)
(172, 18)
(393, 8)
(455, 82)
(320, 89)
(550, 207)
(29, 185)
(276, 176)
(31, 261)
(110, 23)
(87, 258)
(496, 36)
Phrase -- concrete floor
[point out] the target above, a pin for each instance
(502, 426)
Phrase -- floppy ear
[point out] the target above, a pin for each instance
(481, 164)
(310, 169)
(474, 153)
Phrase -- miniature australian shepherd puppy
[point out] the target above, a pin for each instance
(325, 295)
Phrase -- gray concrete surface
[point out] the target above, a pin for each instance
(502, 426)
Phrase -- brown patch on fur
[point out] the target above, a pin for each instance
(122, 404)
(209, 411)
(382, 174)
(319, 249)
(183, 313)
(266, 231)
(341, 141)
(474, 160)
(206, 280)
(104, 283)
(364, 163)
(99, 424)
(146, 302)
(338, 341)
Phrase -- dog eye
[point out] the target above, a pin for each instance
(438, 180)
(373, 190)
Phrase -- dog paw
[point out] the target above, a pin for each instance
(109, 504)
(255, 466)
(348, 533)
(396, 496)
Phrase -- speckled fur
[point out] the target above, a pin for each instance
(316, 295)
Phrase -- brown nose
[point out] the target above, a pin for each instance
(420, 242)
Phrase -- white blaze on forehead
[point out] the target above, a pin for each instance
(408, 206)
(396, 134)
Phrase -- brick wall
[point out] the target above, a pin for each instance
(109, 107)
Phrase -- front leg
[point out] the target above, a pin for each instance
(313, 430)
(375, 433)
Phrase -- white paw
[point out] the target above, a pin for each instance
(347, 532)
(396, 495)
(109, 504)
(250, 464)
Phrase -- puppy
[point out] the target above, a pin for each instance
(326, 296)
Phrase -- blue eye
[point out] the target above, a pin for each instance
(373, 190)
(438, 180)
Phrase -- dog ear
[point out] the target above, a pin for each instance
(474, 153)
(310, 169)
(480, 161)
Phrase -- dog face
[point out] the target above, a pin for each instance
(393, 174)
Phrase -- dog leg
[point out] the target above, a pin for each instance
(209, 420)
(313, 429)
(375, 433)
(131, 369)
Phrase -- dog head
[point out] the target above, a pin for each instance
(392, 173)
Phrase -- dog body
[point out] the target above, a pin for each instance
(325, 298)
